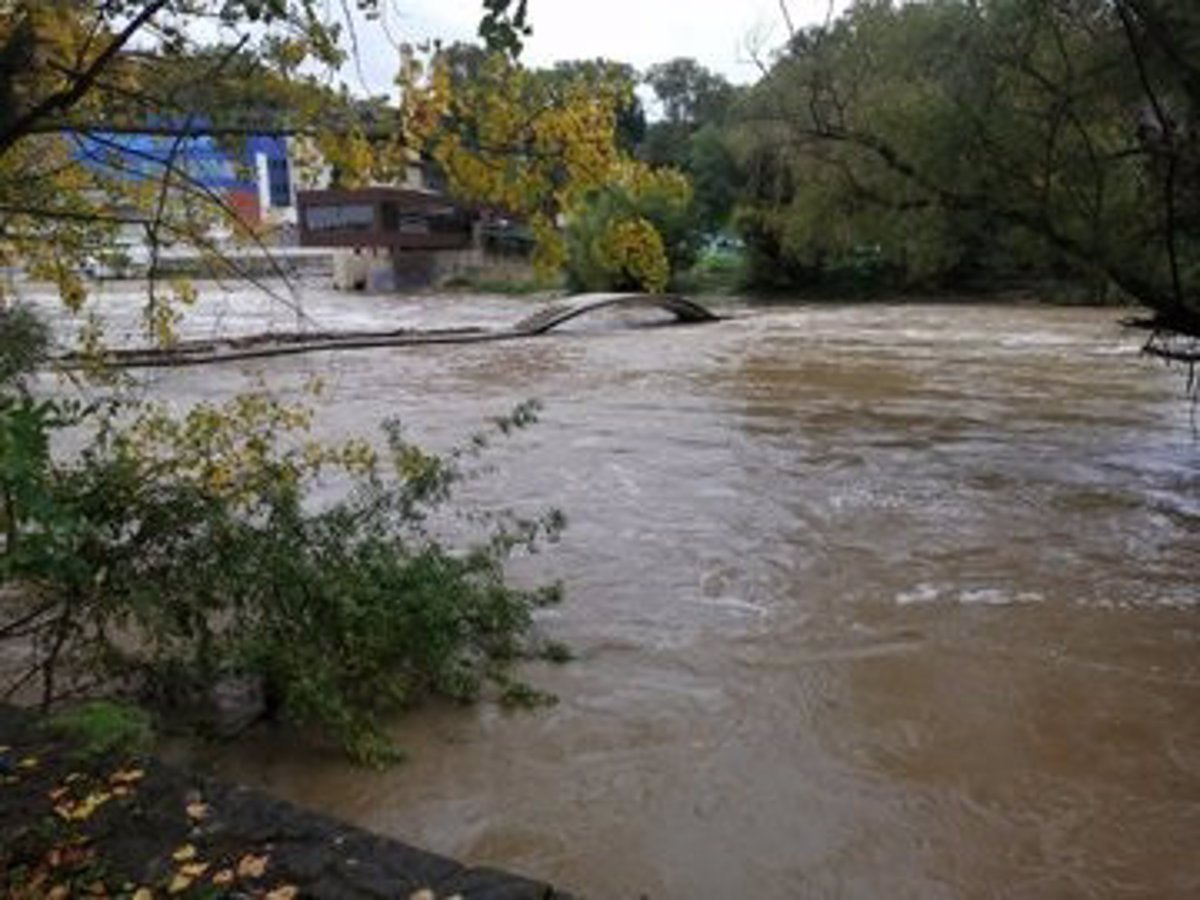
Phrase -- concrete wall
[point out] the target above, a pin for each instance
(380, 270)
(363, 270)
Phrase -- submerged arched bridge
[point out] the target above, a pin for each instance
(543, 320)
(266, 345)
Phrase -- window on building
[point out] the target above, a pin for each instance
(279, 181)
(389, 216)
(340, 217)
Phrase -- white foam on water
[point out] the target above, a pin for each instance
(998, 597)
(922, 593)
(925, 593)
(735, 604)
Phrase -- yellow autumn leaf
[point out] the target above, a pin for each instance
(251, 866)
(283, 892)
(126, 776)
(143, 893)
(184, 853)
(193, 869)
(179, 884)
(28, 762)
(221, 878)
(83, 810)
(197, 811)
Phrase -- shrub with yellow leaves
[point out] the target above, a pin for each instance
(633, 232)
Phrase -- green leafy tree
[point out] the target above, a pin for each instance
(715, 174)
(953, 136)
(688, 93)
(695, 105)
(606, 242)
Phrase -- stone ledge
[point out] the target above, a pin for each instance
(136, 834)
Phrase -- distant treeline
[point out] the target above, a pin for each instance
(959, 144)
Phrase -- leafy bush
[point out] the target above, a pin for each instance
(23, 341)
(173, 553)
(632, 234)
(720, 269)
(101, 727)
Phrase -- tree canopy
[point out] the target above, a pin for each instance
(949, 138)
(542, 146)
(691, 134)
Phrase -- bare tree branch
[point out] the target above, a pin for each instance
(1167, 135)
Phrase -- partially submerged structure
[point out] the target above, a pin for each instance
(387, 237)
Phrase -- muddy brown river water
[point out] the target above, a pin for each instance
(868, 601)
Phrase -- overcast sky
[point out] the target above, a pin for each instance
(641, 32)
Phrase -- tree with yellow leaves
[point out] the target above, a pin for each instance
(76, 75)
(543, 147)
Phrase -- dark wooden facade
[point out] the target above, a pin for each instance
(381, 217)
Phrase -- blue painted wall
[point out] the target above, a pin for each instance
(219, 165)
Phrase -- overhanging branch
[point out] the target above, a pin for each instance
(64, 100)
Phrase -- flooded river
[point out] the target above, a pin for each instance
(868, 601)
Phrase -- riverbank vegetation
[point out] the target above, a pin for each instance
(957, 146)
(919, 147)
(172, 554)
(962, 143)
(933, 146)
